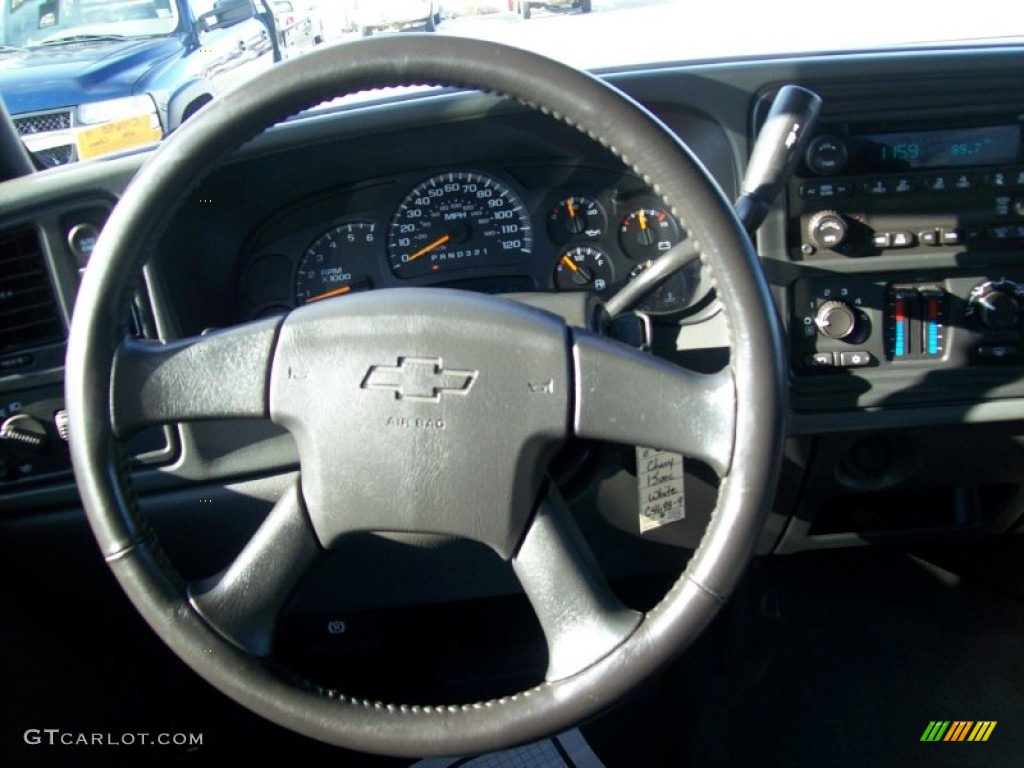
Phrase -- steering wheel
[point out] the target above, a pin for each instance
(474, 393)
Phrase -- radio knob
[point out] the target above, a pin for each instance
(826, 155)
(996, 306)
(828, 229)
(836, 319)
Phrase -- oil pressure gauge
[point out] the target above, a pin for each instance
(576, 216)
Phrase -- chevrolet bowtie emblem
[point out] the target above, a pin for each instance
(419, 378)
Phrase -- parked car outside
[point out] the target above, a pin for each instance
(298, 24)
(525, 7)
(92, 78)
(376, 15)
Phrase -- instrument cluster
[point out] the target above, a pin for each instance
(496, 230)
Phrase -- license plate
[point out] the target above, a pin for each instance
(115, 136)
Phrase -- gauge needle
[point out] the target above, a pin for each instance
(326, 295)
(428, 248)
(570, 208)
(643, 219)
(570, 263)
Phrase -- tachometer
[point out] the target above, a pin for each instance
(336, 263)
(458, 220)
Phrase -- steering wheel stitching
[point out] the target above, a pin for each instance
(380, 371)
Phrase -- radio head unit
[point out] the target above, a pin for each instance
(869, 188)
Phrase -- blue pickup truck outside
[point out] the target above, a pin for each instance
(84, 78)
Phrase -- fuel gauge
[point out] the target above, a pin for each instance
(576, 216)
(584, 268)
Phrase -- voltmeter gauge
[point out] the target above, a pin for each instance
(646, 233)
(584, 268)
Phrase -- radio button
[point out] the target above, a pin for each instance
(998, 179)
(881, 240)
(877, 187)
(951, 236)
(904, 185)
(938, 184)
(826, 155)
(929, 237)
(902, 240)
(965, 181)
(825, 190)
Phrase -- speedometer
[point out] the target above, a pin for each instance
(455, 221)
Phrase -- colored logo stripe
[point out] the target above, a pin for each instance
(935, 731)
(982, 730)
(958, 730)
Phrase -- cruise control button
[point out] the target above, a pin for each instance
(856, 359)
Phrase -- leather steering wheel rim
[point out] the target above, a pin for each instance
(756, 370)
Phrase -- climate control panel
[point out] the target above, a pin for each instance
(874, 321)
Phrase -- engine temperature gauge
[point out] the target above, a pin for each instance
(583, 268)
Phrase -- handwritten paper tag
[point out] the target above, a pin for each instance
(659, 476)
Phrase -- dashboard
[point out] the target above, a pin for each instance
(495, 229)
(896, 258)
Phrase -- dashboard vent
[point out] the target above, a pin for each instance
(28, 311)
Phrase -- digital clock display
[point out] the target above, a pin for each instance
(950, 148)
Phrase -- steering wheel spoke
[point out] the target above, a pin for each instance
(581, 617)
(217, 375)
(625, 396)
(243, 601)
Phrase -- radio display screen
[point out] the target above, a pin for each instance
(948, 148)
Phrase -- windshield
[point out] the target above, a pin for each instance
(622, 33)
(598, 35)
(27, 23)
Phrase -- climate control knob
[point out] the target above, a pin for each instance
(23, 437)
(996, 305)
(828, 229)
(836, 319)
